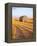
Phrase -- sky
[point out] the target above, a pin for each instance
(21, 11)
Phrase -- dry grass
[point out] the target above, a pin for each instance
(24, 27)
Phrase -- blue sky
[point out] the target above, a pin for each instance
(20, 11)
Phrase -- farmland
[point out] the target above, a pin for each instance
(22, 30)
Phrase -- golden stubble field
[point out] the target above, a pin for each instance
(22, 30)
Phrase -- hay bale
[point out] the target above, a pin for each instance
(23, 18)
